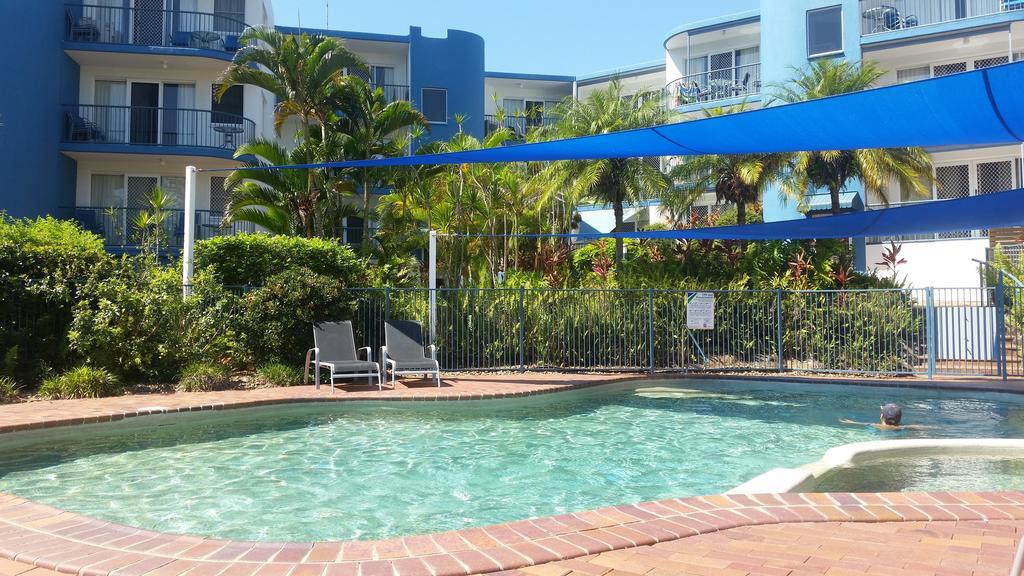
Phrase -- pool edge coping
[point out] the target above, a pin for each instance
(49, 538)
(963, 385)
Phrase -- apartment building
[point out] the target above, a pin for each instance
(112, 97)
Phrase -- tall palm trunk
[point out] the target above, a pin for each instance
(306, 215)
(615, 182)
(366, 210)
(741, 219)
(834, 193)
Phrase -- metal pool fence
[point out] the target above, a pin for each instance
(926, 331)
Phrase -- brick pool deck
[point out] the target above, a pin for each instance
(787, 534)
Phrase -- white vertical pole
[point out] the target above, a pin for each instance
(190, 230)
(432, 283)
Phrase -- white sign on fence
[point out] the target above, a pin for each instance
(700, 310)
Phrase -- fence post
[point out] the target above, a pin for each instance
(522, 331)
(778, 329)
(1001, 324)
(387, 303)
(650, 326)
(930, 330)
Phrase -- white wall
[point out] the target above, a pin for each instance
(937, 264)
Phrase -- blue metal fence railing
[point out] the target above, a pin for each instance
(89, 23)
(145, 126)
(879, 16)
(926, 332)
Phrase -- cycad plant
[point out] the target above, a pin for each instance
(910, 168)
(614, 181)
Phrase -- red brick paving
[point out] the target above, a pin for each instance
(899, 534)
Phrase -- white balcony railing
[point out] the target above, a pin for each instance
(879, 16)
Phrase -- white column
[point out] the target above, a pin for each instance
(190, 230)
(432, 283)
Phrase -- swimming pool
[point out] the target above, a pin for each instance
(365, 470)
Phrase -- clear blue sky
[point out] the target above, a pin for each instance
(534, 36)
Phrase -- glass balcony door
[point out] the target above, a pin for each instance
(144, 126)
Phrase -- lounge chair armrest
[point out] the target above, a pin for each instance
(369, 353)
(433, 352)
(312, 356)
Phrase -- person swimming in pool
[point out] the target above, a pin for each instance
(890, 418)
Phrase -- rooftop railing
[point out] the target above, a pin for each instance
(150, 27)
(879, 16)
(137, 125)
(518, 125)
(735, 82)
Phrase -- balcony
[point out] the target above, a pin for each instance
(518, 125)
(135, 127)
(91, 24)
(393, 92)
(880, 16)
(116, 226)
(951, 235)
(723, 84)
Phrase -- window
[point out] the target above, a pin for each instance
(989, 62)
(947, 69)
(107, 191)
(228, 15)
(435, 105)
(913, 74)
(230, 108)
(824, 31)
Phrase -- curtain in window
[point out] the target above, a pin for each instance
(107, 191)
(110, 115)
(748, 73)
(179, 117)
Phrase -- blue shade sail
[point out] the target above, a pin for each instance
(997, 210)
(978, 108)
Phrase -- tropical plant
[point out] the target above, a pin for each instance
(252, 259)
(370, 127)
(737, 179)
(277, 375)
(81, 382)
(910, 168)
(284, 201)
(202, 377)
(612, 181)
(9, 390)
(303, 72)
(150, 223)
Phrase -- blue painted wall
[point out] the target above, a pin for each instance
(36, 179)
(784, 49)
(457, 64)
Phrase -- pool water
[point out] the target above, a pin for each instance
(927, 474)
(337, 471)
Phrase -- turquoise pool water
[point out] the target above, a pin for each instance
(376, 470)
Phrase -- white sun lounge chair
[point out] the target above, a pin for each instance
(403, 352)
(335, 349)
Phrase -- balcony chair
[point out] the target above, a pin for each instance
(81, 129)
(335, 349)
(231, 43)
(84, 29)
(181, 39)
(403, 351)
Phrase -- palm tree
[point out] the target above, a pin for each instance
(737, 179)
(612, 181)
(279, 201)
(911, 168)
(302, 71)
(370, 127)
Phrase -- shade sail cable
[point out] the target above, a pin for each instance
(977, 108)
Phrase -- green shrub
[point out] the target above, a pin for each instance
(8, 390)
(276, 375)
(135, 322)
(252, 259)
(277, 318)
(81, 382)
(203, 378)
(43, 263)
